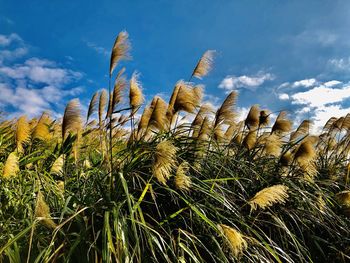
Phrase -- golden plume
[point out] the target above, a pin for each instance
(329, 124)
(11, 167)
(72, 121)
(225, 114)
(164, 161)
(203, 133)
(204, 110)
(170, 110)
(182, 180)
(305, 155)
(135, 96)
(120, 50)
(116, 95)
(281, 124)
(273, 145)
(102, 106)
(92, 106)
(204, 65)
(42, 212)
(57, 166)
(249, 140)
(158, 117)
(234, 239)
(302, 130)
(42, 131)
(252, 120)
(22, 133)
(269, 196)
(188, 97)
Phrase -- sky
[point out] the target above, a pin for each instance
(283, 55)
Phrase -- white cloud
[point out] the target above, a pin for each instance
(322, 102)
(332, 83)
(8, 40)
(283, 96)
(304, 83)
(321, 95)
(230, 83)
(324, 113)
(40, 71)
(34, 85)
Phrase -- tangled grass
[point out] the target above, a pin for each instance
(180, 183)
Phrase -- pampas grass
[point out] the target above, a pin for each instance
(120, 50)
(182, 180)
(135, 95)
(72, 121)
(234, 239)
(164, 161)
(269, 196)
(252, 120)
(204, 65)
(92, 105)
(11, 167)
(22, 133)
(225, 114)
(42, 212)
(42, 131)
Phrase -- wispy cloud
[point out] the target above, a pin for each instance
(98, 49)
(230, 83)
(6, 40)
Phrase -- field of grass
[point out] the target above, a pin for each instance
(172, 182)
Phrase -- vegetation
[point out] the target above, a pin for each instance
(179, 183)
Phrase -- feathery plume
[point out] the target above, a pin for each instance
(273, 145)
(281, 124)
(92, 106)
(158, 117)
(102, 106)
(188, 97)
(164, 161)
(203, 133)
(234, 239)
(42, 212)
(22, 133)
(269, 196)
(182, 180)
(249, 140)
(11, 167)
(41, 131)
(120, 50)
(252, 120)
(225, 114)
(116, 95)
(204, 65)
(302, 130)
(72, 121)
(135, 95)
(204, 110)
(305, 156)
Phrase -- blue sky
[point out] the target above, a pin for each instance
(283, 55)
